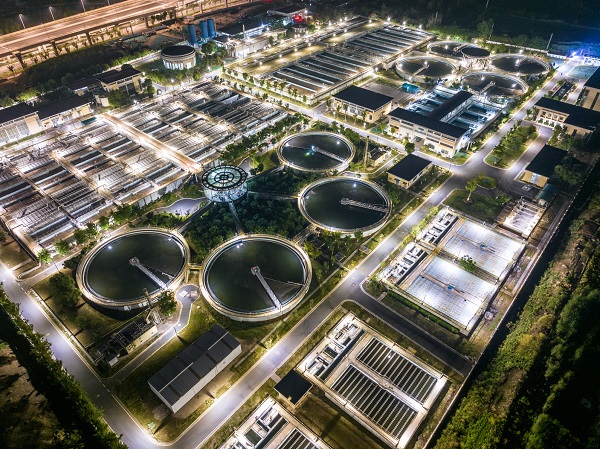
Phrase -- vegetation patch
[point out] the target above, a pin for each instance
(483, 207)
(512, 146)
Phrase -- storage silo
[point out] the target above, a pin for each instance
(212, 32)
(192, 33)
(204, 29)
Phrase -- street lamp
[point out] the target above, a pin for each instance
(51, 13)
(82, 5)
(22, 23)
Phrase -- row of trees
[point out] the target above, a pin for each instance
(82, 422)
(234, 151)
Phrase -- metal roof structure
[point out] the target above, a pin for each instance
(179, 379)
(223, 177)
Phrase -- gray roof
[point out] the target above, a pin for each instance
(62, 105)
(450, 104)
(289, 9)
(546, 161)
(293, 387)
(14, 112)
(594, 80)
(183, 372)
(409, 167)
(363, 97)
(577, 115)
(117, 75)
(428, 122)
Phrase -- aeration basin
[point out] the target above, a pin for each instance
(122, 272)
(256, 278)
(519, 64)
(345, 205)
(316, 152)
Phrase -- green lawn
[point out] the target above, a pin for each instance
(486, 182)
(485, 208)
(512, 146)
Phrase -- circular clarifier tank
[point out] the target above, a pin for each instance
(519, 64)
(457, 49)
(122, 272)
(255, 278)
(504, 85)
(420, 67)
(316, 152)
(345, 205)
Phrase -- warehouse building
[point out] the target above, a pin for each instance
(408, 171)
(542, 166)
(577, 121)
(359, 102)
(438, 127)
(184, 376)
(591, 92)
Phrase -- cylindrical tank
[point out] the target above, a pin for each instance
(192, 32)
(212, 32)
(204, 29)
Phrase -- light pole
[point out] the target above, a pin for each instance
(22, 23)
(82, 5)
(51, 13)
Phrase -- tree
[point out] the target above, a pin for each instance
(118, 98)
(81, 236)
(485, 28)
(149, 88)
(166, 303)
(62, 247)
(208, 48)
(471, 186)
(44, 256)
(569, 171)
(65, 289)
(104, 222)
(3, 236)
(409, 147)
(468, 264)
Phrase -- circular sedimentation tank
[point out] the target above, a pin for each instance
(418, 68)
(519, 64)
(122, 272)
(316, 152)
(224, 183)
(455, 49)
(504, 85)
(345, 205)
(256, 278)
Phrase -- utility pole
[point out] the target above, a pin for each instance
(549, 40)
(366, 153)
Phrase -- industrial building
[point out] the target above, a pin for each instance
(22, 120)
(576, 120)
(178, 57)
(542, 166)
(359, 102)
(184, 376)
(128, 80)
(408, 171)
(444, 119)
(289, 13)
(591, 92)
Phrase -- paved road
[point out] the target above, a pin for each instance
(349, 288)
(80, 23)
